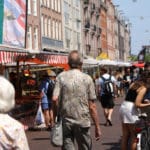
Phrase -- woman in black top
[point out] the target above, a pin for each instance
(129, 111)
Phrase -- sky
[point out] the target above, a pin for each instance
(138, 13)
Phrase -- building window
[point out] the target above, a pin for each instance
(59, 5)
(35, 36)
(29, 37)
(42, 26)
(67, 43)
(57, 29)
(55, 5)
(34, 8)
(45, 26)
(44, 2)
(60, 36)
(66, 12)
(68, 37)
(53, 25)
(52, 4)
(49, 28)
(48, 3)
(77, 3)
(29, 7)
(41, 2)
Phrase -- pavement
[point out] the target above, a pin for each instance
(110, 139)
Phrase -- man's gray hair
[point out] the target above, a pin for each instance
(75, 59)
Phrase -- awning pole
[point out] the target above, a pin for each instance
(18, 91)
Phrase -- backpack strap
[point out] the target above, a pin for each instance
(103, 78)
(110, 77)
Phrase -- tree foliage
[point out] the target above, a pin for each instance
(147, 58)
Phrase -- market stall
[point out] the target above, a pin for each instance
(25, 71)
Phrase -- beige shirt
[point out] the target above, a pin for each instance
(75, 89)
(12, 134)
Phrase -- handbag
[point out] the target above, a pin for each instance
(57, 134)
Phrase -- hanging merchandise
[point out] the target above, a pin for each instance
(26, 70)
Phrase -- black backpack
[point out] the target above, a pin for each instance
(108, 87)
(50, 89)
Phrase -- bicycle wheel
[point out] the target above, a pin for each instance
(144, 140)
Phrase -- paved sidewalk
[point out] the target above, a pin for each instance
(110, 139)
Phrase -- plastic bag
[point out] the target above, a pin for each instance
(39, 118)
(57, 134)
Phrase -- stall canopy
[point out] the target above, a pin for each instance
(107, 62)
(90, 61)
(103, 55)
(139, 65)
(9, 56)
(124, 64)
(52, 59)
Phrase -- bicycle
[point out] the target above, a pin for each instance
(143, 132)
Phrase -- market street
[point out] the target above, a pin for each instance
(110, 139)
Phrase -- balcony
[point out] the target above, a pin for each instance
(86, 1)
(88, 49)
(103, 5)
(93, 8)
(99, 30)
(87, 26)
(93, 27)
(85, 4)
(97, 12)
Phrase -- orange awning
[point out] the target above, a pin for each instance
(52, 60)
(139, 65)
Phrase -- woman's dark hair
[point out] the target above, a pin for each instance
(74, 59)
(137, 84)
(143, 81)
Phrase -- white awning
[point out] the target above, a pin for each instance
(107, 62)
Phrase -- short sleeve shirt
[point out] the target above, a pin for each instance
(12, 134)
(43, 88)
(75, 89)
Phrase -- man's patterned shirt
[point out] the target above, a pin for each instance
(75, 89)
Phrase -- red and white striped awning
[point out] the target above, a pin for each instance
(8, 57)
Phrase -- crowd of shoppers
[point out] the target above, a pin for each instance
(78, 94)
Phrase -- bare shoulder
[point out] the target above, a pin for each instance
(141, 89)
